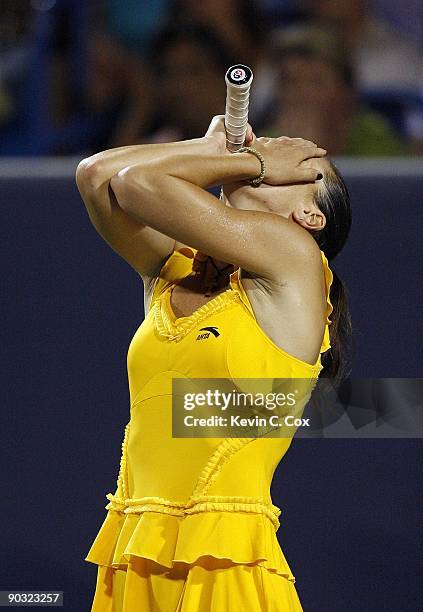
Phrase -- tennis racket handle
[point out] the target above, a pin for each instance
(238, 83)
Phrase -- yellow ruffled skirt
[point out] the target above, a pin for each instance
(213, 562)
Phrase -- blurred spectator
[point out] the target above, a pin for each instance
(316, 97)
(381, 56)
(238, 24)
(133, 23)
(119, 88)
(78, 77)
(189, 62)
(112, 90)
(241, 27)
(188, 56)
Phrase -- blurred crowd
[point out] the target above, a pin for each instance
(78, 77)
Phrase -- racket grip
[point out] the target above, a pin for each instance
(238, 83)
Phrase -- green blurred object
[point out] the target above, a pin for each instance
(372, 135)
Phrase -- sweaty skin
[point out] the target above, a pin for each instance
(146, 209)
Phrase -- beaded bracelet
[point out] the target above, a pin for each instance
(259, 179)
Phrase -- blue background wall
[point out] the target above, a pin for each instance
(70, 308)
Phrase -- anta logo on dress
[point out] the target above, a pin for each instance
(207, 331)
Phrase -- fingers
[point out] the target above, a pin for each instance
(263, 140)
(305, 143)
(309, 152)
(250, 137)
(217, 124)
(298, 141)
(302, 142)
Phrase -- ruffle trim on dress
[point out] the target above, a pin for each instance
(176, 329)
(328, 274)
(167, 539)
(328, 281)
(195, 504)
(223, 453)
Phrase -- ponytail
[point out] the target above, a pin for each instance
(336, 361)
(334, 201)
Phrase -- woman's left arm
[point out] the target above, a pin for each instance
(169, 194)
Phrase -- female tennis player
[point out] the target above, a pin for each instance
(237, 287)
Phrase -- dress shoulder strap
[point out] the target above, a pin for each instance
(328, 275)
(176, 266)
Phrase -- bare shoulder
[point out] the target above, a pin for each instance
(304, 257)
(291, 309)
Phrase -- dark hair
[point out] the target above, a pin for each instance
(314, 42)
(249, 15)
(197, 34)
(334, 201)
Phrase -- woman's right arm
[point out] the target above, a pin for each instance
(143, 247)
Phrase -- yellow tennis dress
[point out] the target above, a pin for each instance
(191, 526)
